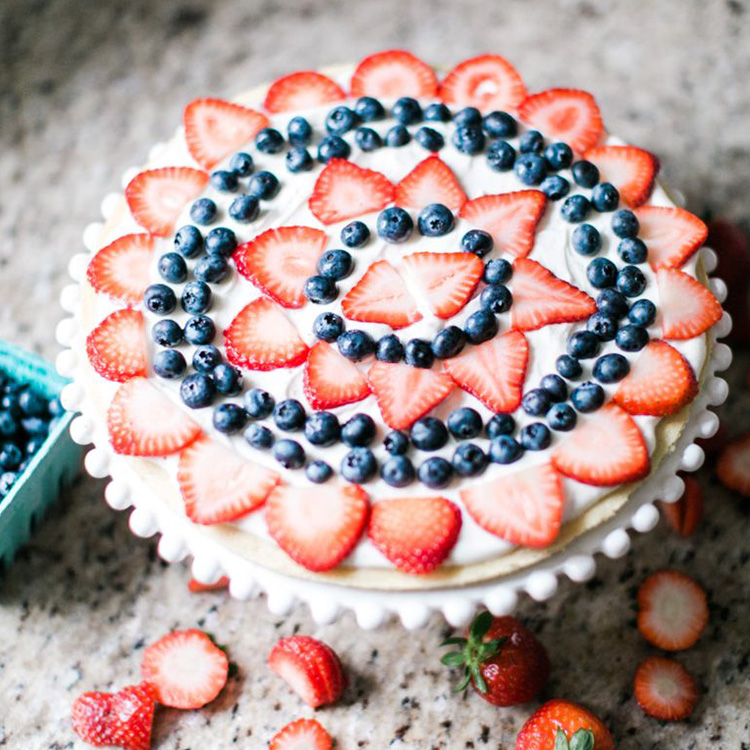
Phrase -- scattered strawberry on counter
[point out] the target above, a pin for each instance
(685, 514)
(303, 734)
(562, 725)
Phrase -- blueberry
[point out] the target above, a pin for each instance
(33, 445)
(569, 367)
(496, 298)
(398, 471)
(583, 345)
(500, 125)
(263, 185)
(199, 329)
(35, 426)
(224, 180)
(258, 403)
(429, 434)
(355, 345)
(341, 120)
(8, 424)
(289, 415)
(601, 273)
(449, 342)
(320, 290)
(318, 472)
(468, 139)
(227, 379)
(613, 303)
(269, 141)
(159, 299)
(258, 436)
(535, 436)
(501, 156)
(562, 417)
(625, 223)
(530, 168)
(298, 159)
(7, 480)
(358, 465)
(166, 333)
(55, 408)
(299, 131)
(631, 281)
(478, 242)
(396, 442)
(632, 338)
(497, 271)
(203, 211)
(575, 208)
(368, 139)
(358, 431)
(480, 326)
(289, 453)
(586, 240)
(611, 368)
(555, 187)
(333, 147)
(587, 397)
(335, 264)
(328, 326)
(406, 110)
(322, 428)
(437, 113)
(32, 404)
(211, 269)
(435, 472)
(500, 424)
(585, 174)
(188, 241)
(397, 136)
(464, 423)
(435, 220)
(169, 363)
(604, 326)
(536, 402)
(229, 418)
(389, 349)
(355, 234)
(197, 390)
(205, 358)
(531, 142)
(242, 164)
(196, 297)
(244, 209)
(394, 225)
(221, 241)
(632, 250)
(642, 313)
(505, 449)
(555, 387)
(469, 460)
(369, 109)
(10, 456)
(558, 156)
(418, 353)
(605, 197)
(468, 116)
(429, 139)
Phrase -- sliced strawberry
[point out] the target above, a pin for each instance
(302, 734)
(685, 514)
(671, 234)
(540, 298)
(302, 90)
(317, 526)
(494, 371)
(121, 269)
(393, 73)
(261, 337)
(142, 421)
(196, 587)
(279, 261)
(343, 191)
(660, 382)
(331, 380)
(510, 218)
(631, 170)
(187, 669)
(215, 128)
(567, 115)
(116, 348)
(381, 296)
(415, 533)
(487, 82)
(664, 689)
(687, 308)
(431, 181)
(733, 467)
(405, 393)
(672, 610)
(156, 197)
(604, 450)
(310, 668)
(217, 485)
(523, 508)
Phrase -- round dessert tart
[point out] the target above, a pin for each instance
(380, 341)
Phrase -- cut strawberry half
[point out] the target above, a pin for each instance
(344, 191)
(540, 298)
(447, 280)
(302, 734)
(733, 467)
(331, 380)
(217, 485)
(156, 197)
(302, 90)
(510, 218)
(215, 128)
(393, 73)
(487, 82)
(381, 296)
(604, 450)
(280, 260)
(687, 308)
(431, 181)
(685, 514)
(116, 348)
(664, 689)
(317, 526)
(672, 610)
(631, 170)
(672, 235)
(415, 533)
(187, 669)
(142, 421)
(405, 393)
(660, 382)
(261, 337)
(524, 507)
(494, 371)
(121, 269)
(567, 115)
(196, 587)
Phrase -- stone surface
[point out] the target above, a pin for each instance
(85, 89)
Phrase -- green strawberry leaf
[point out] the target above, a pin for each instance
(583, 739)
(453, 659)
(561, 741)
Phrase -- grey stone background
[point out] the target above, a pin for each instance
(85, 88)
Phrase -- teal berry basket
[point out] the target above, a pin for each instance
(54, 466)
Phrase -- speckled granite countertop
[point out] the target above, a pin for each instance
(85, 88)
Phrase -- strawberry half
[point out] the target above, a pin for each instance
(733, 466)
(494, 371)
(156, 197)
(604, 450)
(664, 689)
(524, 507)
(280, 260)
(660, 382)
(510, 218)
(567, 115)
(540, 298)
(261, 337)
(310, 668)
(631, 170)
(393, 73)
(187, 669)
(446, 280)
(671, 234)
(431, 181)
(116, 348)
(381, 296)
(685, 514)
(142, 421)
(196, 587)
(344, 191)
(302, 90)
(215, 128)
(687, 308)
(405, 393)
(121, 269)
(317, 526)
(331, 380)
(415, 533)
(302, 734)
(217, 485)
(560, 719)
(487, 82)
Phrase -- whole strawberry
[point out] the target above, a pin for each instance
(502, 660)
(562, 725)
